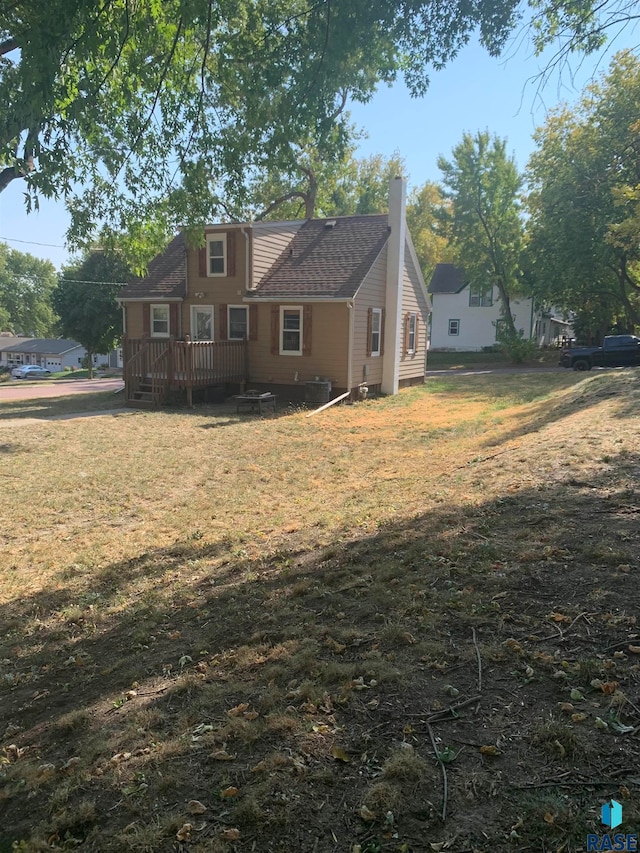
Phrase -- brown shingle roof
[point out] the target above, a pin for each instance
(447, 278)
(325, 261)
(166, 277)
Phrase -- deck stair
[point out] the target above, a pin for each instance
(153, 368)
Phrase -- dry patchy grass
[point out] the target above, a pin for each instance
(273, 633)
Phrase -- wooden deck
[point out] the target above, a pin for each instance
(155, 367)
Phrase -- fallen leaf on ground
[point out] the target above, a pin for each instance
(366, 814)
(184, 833)
(230, 834)
(339, 754)
(196, 807)
(231, 791)
(222, 755)
(238, 710)
(490, 749)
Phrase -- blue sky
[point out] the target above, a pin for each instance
(475, 92)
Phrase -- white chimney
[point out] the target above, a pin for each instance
(395, 269)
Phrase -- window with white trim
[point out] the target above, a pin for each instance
(216, 254)
(290, 331)
(238, 322)
(411, 338)
(479, 298)
(160, 321)
(454, 327)
(202, 322)
(376, 331)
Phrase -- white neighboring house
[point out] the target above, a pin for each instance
(464, 318)
(53, 353)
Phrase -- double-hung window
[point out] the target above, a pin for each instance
(411, 332)
(238, 318)
(290, 331)
(479, 298)
(159, 321)
(454, 327)
(376, 331)
(217, 254)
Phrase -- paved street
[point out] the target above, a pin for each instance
(16, 390)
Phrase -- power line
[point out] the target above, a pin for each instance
(32, 243)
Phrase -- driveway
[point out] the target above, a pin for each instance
(15, 390)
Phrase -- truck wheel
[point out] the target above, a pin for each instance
(581, 364)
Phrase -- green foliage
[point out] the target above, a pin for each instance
(483, 185)
(146, 115)
(584, 224)
(26, 286)
(427, 210)
(514, 344)
(86, 300)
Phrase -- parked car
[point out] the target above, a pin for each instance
(30, 371)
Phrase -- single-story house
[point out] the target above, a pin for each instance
(465, 317)
(294, 308)
(55, 354)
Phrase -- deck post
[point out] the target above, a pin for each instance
(170, 365)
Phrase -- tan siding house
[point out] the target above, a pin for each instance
(270, 239)
(280, 306)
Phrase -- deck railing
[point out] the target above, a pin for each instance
(170, 364)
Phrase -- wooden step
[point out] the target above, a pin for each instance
(142, 404)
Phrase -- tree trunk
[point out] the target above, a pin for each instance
(506, 308)
(90, 364)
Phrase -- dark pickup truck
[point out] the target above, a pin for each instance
(616, 351)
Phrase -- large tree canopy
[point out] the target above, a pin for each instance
(144, 114)
(86, 300)
(585, 186)
(483, 185)
(26, 285)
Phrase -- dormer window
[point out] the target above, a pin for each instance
(217, 254)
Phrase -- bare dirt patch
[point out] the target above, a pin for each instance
(410, 625)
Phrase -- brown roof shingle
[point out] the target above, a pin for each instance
(166, 277)
(324, 261)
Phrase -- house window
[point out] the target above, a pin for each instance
(160, 321)
(202, 322)
(480, 298)
(238, 322)
(290, 331)
(217, 255)
(376, 330)
(454, 327)
(411, 333)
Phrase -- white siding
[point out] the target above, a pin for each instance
(269, 241)
(477, 324)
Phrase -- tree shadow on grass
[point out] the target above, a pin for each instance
(314, 677)
(589, 393)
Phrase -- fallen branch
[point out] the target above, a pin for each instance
(487, 458)
(445, 784)
(475, 643)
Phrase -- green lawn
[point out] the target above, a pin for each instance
(485, 360)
